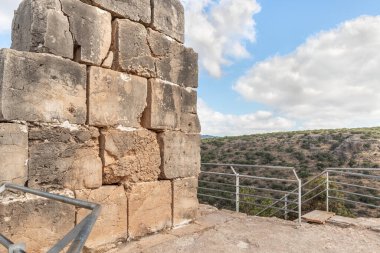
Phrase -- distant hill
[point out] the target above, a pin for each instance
(308, 151)
(207, 136)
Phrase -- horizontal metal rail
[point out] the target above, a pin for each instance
(267, 189)
(211, 182)
(212, 196)
(302, 186)
(248, 166)
(315, 188)
(307, 200)
(239, 196)
(355, 185)
(216, 197)
(355, 202)
(218, 173)
(331, 197)
(356, 169)
(217, 190)
(317, 195)
(269, 198)
(77, 236)
(354, 174)
(356, 194)
(344, 172)
(327, 186)
(250, 177)
(288, 210)
(269, 178)
(314, 178)
(265, 206)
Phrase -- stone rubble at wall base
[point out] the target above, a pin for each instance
(98, 102)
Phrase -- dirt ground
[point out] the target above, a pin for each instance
(223, 231)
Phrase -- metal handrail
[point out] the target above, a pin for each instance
(311, 198)
(357, 186)
(290, 206)
(216, 197)
(267, 189)
(312, 190)
(297, 192)
(218, 173)
(303, 185)
(77, 236)
(357, 194)
(216, 190)
(249, 166)
(353, 174)
(344, 172)
(355, 202)
(210, 182)
(278, 208)
(269, 198)
(356, 169)
(248, 176)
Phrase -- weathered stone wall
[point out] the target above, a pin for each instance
(98, 101)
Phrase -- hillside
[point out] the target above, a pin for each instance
(308, 151)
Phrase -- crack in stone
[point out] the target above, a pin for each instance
(72, 34)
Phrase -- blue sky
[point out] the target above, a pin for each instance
(279, 65)
(281, 26)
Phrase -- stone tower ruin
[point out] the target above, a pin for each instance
(98, 102)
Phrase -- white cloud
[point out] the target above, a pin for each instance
(332, 80)
(219, 29)
(219, 124)
(6, 14)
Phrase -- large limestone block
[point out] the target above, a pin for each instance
(13, 153)
(164, 106)
(115, 98)
(132, 53)
(149, 207)
(130, 156)
(168, 17)
(180, 154)
(64, 157)
(189, 100)
(92, 31)
(136, 10)
(189, 119)
(174, 62)
(190, 123)
(112, 223)
(40, 26)
(185, 200)
(38, 222)
(42, 88)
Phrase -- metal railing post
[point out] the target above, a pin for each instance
(299, 196)
(327, 191)
(237, 188)
(237, 193)
(299, 200)
(286, 207)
